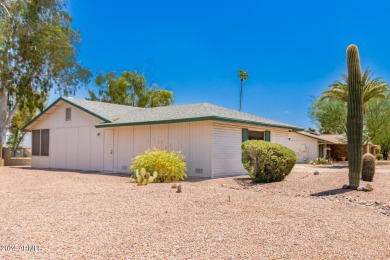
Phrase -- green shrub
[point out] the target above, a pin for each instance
(170, 165)
(379, 156)
(320, 161)
(267, 162)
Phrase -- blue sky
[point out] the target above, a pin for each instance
(292, 49)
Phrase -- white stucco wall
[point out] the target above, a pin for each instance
(193, 139)
(226, 150)
(226, 146)
(74, 144)
(305, 147)
(211, 148)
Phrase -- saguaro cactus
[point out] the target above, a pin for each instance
(354, 116)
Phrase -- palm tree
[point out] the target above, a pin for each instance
(243, 76)
(373, 88)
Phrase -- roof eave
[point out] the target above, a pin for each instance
(195, 119)
(25, 128)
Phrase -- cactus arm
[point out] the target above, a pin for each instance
(138, 177)
(143, 177)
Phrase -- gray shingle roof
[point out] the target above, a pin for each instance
(194, 111)
(111, 112)
(120, 115)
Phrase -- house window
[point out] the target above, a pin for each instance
(68, 114)
(36, 142)
(256, 135)
(40, 142)
(45, 142)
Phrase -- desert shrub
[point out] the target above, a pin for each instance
(368, 169)
(267, 162)
(379, 156)
(321, 161)
(170, 165)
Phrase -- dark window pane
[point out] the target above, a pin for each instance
(36, 142)
(255, 135)
(68, 114)
(45, 142)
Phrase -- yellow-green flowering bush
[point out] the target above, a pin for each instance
(170, 165)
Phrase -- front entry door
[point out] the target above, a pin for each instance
(108, 150)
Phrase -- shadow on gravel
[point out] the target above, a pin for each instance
(116, 174)
(330, 192)
(332, 166)
(247, 182)
(59, 171)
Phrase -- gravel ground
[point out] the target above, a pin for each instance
(72, 215)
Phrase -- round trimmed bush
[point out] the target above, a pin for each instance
(379, 156)
(267, 162)
(169, 165)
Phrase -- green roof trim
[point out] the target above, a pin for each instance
(195, 119)
(113, 115)
(69, 102)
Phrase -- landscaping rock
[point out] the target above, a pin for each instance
(368, 187)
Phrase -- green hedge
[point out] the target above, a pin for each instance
(267, 162)
(169, 165)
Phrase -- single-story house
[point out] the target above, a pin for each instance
(94, 136)
(335, 147)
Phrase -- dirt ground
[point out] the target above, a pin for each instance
(46, 214)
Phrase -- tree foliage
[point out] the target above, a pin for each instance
(372, 88)
(330, 116)
(377, 122)
(25, 113)
(38, 51)
(130, 89)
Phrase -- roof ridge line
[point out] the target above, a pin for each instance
(209, 109)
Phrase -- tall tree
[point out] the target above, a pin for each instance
(23, 115)
(372, 88)
(38, 52)
(330, 116)
(243, 76)
(377, 123)
(130, 89)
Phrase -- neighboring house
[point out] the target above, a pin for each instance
(94, 136)
(335, 146)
